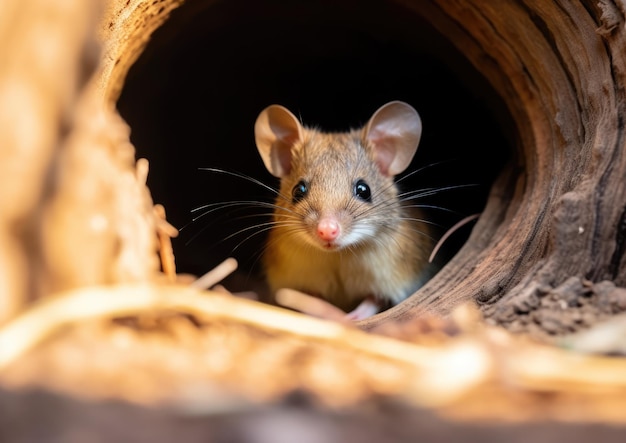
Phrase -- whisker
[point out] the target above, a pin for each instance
(397, 180)
(439, 208)
(414, 195)
(219, 206)
(265, 226)
(284, 233)
(250, 179)
(243, 176)
(406, 196)
(419, 193)
(233, 203)
(259, 232)
(422, 168)
(219, 219)
(291, 225)
(449, 232)
(420, 220)
(241, 203)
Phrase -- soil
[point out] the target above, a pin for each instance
(40, 416)
(545, 313)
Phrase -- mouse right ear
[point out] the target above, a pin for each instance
(276, 131)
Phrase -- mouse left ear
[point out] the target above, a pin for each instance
(394, 132)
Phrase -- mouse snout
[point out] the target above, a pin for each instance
(328, 229)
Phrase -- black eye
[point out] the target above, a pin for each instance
(362, 191)
(299, 191)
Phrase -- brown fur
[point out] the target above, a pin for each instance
(389, 262)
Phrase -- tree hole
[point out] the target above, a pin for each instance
(192, 98)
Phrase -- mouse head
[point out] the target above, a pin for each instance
(393, 133)
(338, 186)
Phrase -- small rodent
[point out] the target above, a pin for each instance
(341, 229)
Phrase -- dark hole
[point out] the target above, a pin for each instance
(194, 94)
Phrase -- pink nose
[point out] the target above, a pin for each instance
(328, 229)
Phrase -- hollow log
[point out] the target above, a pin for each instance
(554, 213)
(558, 212)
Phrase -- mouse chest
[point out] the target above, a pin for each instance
(379, 274)
(307, 271)
(343, 277)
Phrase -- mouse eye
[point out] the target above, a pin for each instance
(299, 191)
(362, 191)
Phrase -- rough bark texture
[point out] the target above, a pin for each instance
(559, 212)
(555, 213)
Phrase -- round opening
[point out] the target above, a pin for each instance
(193, 96)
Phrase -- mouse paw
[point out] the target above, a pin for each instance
(366, 308)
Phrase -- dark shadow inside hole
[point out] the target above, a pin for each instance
(192, 98)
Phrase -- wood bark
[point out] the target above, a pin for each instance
(559, 211)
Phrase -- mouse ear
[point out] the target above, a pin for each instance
(394, 132)
(276, 131)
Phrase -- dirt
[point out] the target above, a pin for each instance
(545, 312)
(39, 416)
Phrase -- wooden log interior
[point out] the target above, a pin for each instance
(551, 214)
(558, 66)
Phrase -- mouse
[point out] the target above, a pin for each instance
(341, 229)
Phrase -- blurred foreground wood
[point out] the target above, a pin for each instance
(189, 350)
